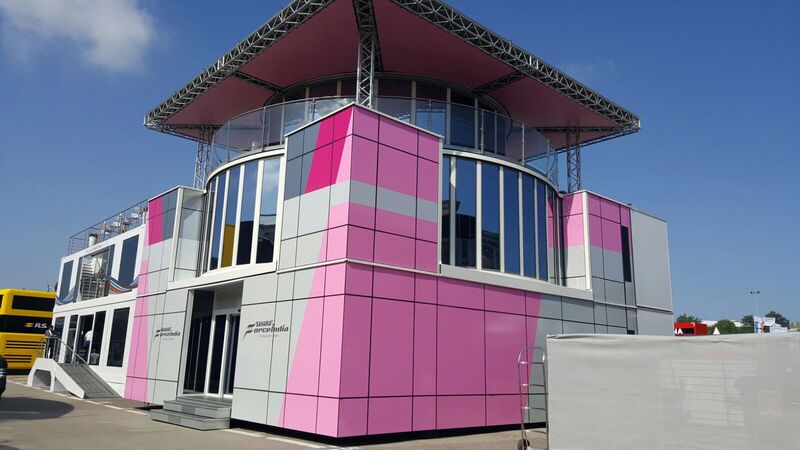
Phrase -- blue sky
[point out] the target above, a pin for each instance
(714, 83)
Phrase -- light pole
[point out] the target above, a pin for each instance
(755, 293)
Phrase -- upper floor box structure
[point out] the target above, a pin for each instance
(375, 234)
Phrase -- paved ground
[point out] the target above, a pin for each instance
(33, 418)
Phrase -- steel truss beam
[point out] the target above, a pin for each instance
(288, 19)
(201, 161)
(255, 81)
(494, 85)
(480, 37)
(573, 161)
(369, 51)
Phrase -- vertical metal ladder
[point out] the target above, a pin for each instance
(529, 358)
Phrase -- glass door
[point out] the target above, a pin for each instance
(221, 364)
(194, 380)
(231, 348)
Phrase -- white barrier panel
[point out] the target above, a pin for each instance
(654, 392)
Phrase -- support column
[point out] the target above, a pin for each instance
(369, 59)
(573, 161)
(202, 158)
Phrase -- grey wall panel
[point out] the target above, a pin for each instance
(615, 292)
(598, 289)
(256, 334)
(285, 286)
(577, 282)
(314, 208)
(176, 300)
(655, 322)
(596, 256)
(309, 248)
(651, 261)
(288, 256)
(164, 390)
(630, 295)
(601, 329)
(550, 306)
(578, 310)
(617, 316)
(600, 314)
(170, 343)
(304, 282)
(291, 211)
(578, 328)
(612, 264)
(280, 348)
(249, 405)
(274, 407)
(575, 261)
(260, 289)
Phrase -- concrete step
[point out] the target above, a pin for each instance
(199, 408)
(189, 420)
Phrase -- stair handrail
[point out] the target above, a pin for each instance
(49, 345)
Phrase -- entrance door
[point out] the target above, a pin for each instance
(222, 363)
(194, 380)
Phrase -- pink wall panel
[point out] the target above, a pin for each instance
(595, 207)
(393, 284)
(533, 302)
(428, 180)
(335, 276)
(573, 204)
(154, 221)
(460, 355)
(328, 416)
(460, 293)
(360, 243)
(609, 210)
(429, 147)
(355, 346)
(397, 171)
(392, 348)
(625, 216)
(360, 215)
(596, 231)
(342, 124)
(504, 299)
(364, 160)
(359, 279)
(297, 413)
(325, 132)
(304, 369)
(502, 409)
(505, 338)
(319, 175)
(612, 237)
(573, 231)
(427, 255)
(341, 159)
(330, 363)
(365, 123)
(391, 222)
(353, 417)
(394, 250)
(460, 411)
(389, 415)
(425, 288)
(424, 413)
(336, 242)
(424, 349)
(398, 135)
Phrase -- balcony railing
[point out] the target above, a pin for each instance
(108, 228)
(464, 128)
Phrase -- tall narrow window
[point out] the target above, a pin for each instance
(268, 211)
(511, 220)
(528, 226)
(244, 249)
(119, 332)
(462, 120)
(66, 279)
(218, 210)
(466, 212)
(127, 261)
(541, 229)
(230, 217)
(97, 337)
(627, 274)
(490, 216)
(446, 208)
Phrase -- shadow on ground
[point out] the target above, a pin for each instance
(28, 408)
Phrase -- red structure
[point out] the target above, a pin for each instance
(690, 329)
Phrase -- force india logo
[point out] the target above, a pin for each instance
(264, 328)
(166, 332)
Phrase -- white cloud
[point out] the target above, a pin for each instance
(112, 34)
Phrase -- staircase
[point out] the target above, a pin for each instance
(200, 413)
(89, 382)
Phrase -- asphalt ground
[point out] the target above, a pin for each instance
(33, 418)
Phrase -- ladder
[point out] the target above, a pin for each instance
(529, 359)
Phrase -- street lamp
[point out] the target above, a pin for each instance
(755, 293)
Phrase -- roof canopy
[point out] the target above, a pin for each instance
(310, 39)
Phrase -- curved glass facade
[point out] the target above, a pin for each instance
(465, 121)
(498, 218)
(241, 218)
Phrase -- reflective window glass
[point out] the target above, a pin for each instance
(511, 220)
(230, 217)
(432, 92)
(541, 229)
(466, 212)
(215, 231)
(488, 133)
(394, 88)
(326, 89)
(528, 226)
(119, 331)
(490, 216)
(66, 280)
(127, 262)
(244, 248)
(446, 210)
(462, 126)
(265, 246)
(399, 108)
(432, 116)
(294, 115)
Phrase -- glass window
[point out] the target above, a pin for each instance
(326, 89)
(626, 255)
(66, 279)
(119, 332)
(511, 220)
(244, 249)
(528, 226)
(394, 88)
(94, 269)
(268, 211)
(348, 88)
(446, 210)
(541, 229)
(230, 217)
(488, 133)
(432, 92)
(462, 126)
(127, 262)
(466, 212)
(215, 231)
(32, 303)
(490, 216)
(432, 116)
(272, 124)
(97, 338)
(399, 108)
(294, 115)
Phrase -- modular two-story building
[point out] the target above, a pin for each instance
(377, 229)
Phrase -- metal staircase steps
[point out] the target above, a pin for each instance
(200, 413)
(93, 386)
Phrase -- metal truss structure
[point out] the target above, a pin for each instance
(257, 82)
(369, 52)
(573, 161)
(289, 18)
(201, 161)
